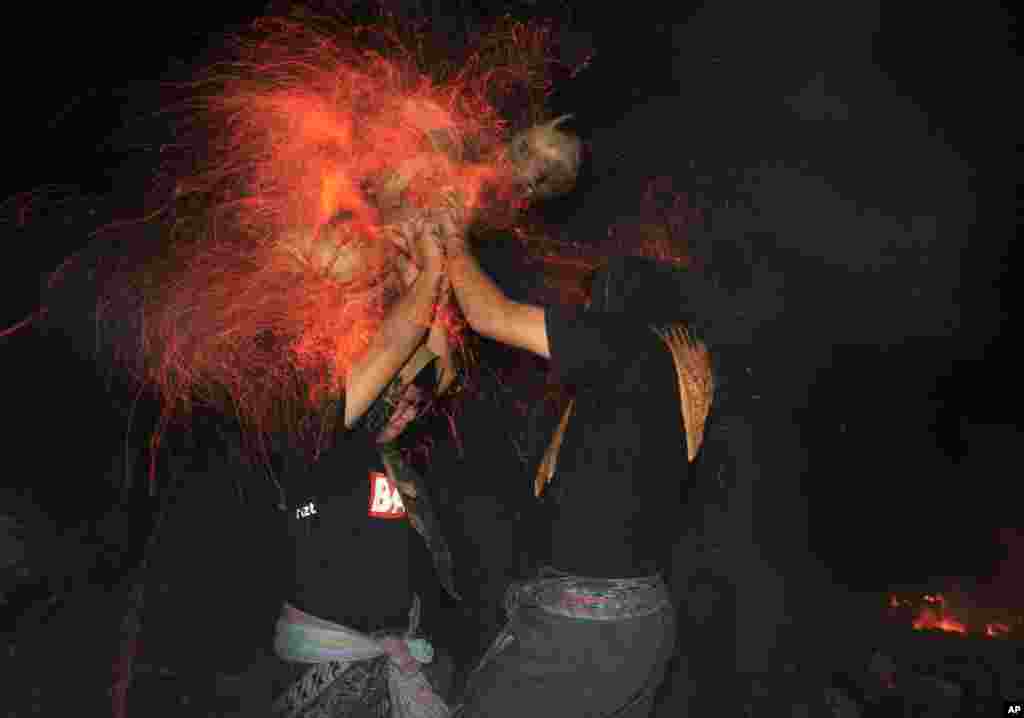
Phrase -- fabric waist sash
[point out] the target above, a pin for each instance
(598, 599)
(331, 649)
(303, 638)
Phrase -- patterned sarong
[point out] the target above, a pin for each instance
(354, 674)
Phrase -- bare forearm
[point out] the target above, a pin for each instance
(398, 337)
(482, 301)
(490, 312)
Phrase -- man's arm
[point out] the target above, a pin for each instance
(401, 333)
(438, 342)
(487, 309)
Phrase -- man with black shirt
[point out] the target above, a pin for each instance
(593, 634)
(344, 554)
(351, 518)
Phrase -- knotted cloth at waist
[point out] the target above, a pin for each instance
(332, 649)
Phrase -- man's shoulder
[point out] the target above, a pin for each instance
(595, 347)
(625, 329)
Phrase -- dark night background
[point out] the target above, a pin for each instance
(857, 168)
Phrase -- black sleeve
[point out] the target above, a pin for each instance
(591, 348)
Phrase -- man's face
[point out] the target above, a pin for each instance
(545, 161)
(345, 256)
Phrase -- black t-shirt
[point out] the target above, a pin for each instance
(354, 546)
(622, 469)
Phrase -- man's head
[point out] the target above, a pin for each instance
(644, 287)
(545, 160)
(659, 293)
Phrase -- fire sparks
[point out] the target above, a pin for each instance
(312, 139)
(314, 147)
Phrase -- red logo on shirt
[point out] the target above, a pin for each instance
(385, 501)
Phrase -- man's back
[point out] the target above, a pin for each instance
(622, 465)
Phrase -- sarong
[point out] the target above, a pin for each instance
(575, 647)
(353, 674)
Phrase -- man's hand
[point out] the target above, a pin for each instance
(438, 341)
(421, 242)
(451, 227)
(406, 325)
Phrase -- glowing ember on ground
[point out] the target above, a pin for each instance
(933, 612)
(997, 630)
(928, 620)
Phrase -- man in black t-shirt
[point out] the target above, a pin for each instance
(355, 511)
(592, 636)
(344, 550)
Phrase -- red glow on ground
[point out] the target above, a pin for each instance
(936, 612)
(997, 630)
(930, 619)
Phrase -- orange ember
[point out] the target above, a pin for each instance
(997, 630)
(929, 620)
(936, 617)
(933, 612)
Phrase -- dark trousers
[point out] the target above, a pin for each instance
(546, 666)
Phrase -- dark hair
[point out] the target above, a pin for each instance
(654, 291)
